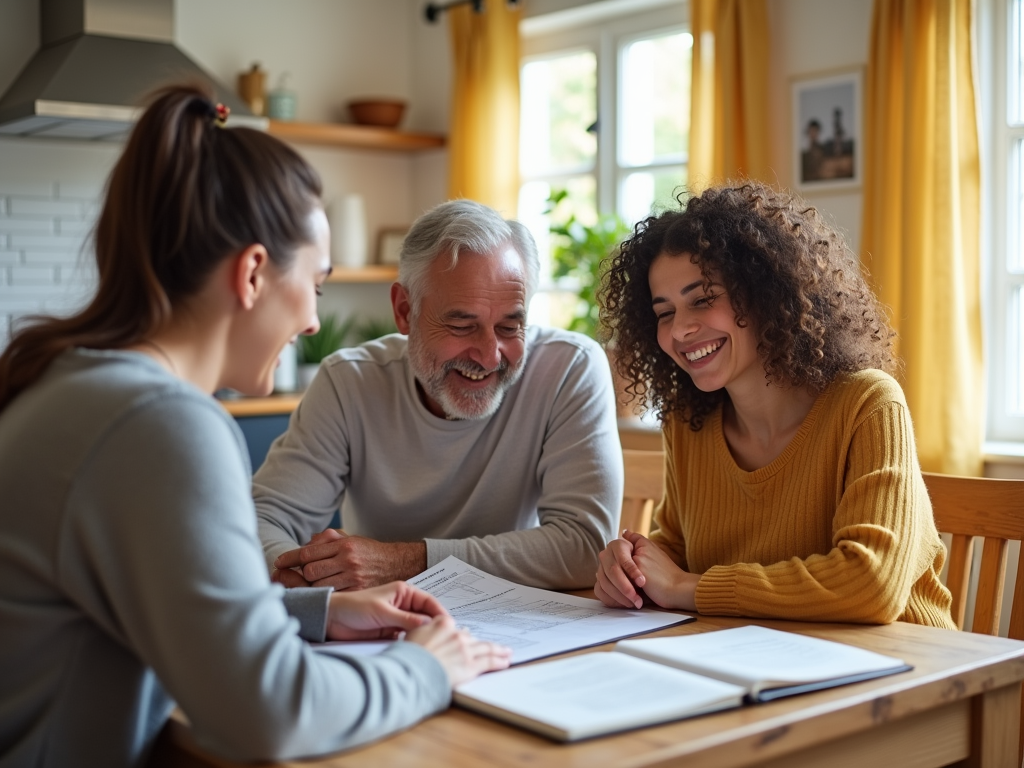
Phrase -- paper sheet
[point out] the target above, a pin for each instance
(758, 657)
(532, 622)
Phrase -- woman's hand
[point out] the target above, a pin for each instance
(380, 612)
(664, 582)
(618, 576)
(462, 655)
(634, 562)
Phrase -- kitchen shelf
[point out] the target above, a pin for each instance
(355, 136)
(373, 273)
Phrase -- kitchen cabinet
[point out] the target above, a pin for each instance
(261, 420)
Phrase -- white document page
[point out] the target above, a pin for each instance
(759, 657)
(532, 622)
(594, 693)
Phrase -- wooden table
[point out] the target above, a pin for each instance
(960, 703)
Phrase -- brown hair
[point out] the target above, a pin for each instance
(786, 272)
(183, 196)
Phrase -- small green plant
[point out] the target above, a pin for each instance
(372, 328)
(330, 337)
(579, 253)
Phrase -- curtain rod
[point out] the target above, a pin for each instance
(433, 11)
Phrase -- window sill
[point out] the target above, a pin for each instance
(1004, 460)
(1004, 452)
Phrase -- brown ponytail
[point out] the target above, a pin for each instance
(184, 195)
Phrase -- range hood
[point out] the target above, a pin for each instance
(98, 59)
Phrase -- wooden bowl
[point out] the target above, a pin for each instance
(385, 113)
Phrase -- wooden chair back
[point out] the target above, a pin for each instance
(969, 507)
(644, 487)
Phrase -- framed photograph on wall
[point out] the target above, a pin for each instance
(389, 245)
(827, 131)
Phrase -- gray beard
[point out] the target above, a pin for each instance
(456, 404)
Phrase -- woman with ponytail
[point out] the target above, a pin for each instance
(131, 575)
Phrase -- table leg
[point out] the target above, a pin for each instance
(995, 728)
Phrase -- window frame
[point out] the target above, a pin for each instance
(606, 37)
(1002, 426)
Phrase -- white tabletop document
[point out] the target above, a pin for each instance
(532, 622)
(650, 681)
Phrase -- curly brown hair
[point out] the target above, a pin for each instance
(786, 271)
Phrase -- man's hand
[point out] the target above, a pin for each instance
(380, 612)
(335, 559)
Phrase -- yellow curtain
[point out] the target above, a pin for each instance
(920, 237)
(483, 144)
(729, 92)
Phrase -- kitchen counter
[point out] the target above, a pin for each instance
(273, 405)
(633, 432)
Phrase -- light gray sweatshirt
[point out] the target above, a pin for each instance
(530, 494)
(131, 576)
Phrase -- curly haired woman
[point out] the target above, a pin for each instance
(793, 489)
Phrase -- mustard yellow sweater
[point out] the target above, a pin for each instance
(838, 528)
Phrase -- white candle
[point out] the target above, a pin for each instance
(347, 217)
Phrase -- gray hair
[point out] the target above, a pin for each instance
(457, 225)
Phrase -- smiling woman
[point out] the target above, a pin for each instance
(793, 488)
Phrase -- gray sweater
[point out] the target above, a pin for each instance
(530, 494)
(131, 577)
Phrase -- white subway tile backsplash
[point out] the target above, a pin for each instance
(71, 226)
(20, 206)
(46, 260)
(52, 299)
(26, 275)
(39, 226)
(24, 299)
(85, 276)
(53, 258)
(28, 188)
(83, 191)
(45, 242)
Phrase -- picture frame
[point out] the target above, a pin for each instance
(389, 245)
(827, 130)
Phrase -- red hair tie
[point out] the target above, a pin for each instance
(222, 114)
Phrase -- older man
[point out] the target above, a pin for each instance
(471, 435)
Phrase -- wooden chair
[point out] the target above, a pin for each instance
(645, 485)
(966, 507)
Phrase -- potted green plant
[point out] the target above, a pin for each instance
(314, 348)
(372, 328)
(581, 254)
(578, 252)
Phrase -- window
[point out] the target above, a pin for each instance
(604, 118)
(1001, 57)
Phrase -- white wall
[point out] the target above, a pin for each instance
(334, 50)
(810, 37)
